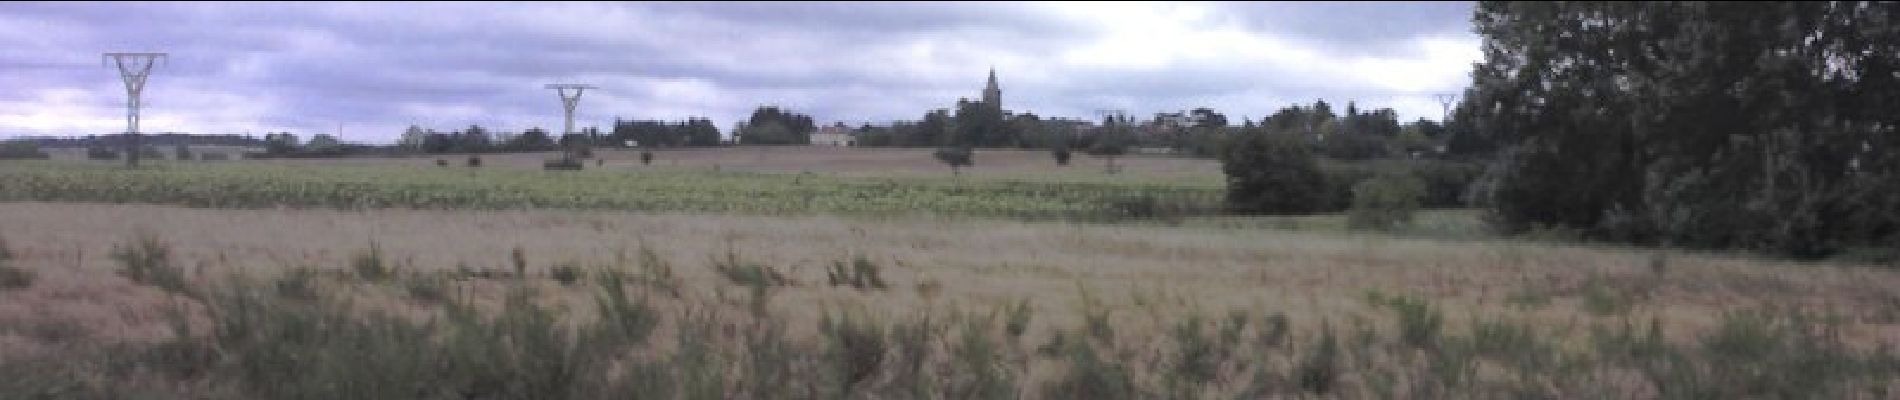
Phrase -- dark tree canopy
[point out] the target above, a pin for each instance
(1766, 125)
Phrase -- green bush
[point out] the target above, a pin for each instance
(147, 261)
(1272, 174)
(1385, 202)
(369, 265)
(565, 273)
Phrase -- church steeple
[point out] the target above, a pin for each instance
(992, 95)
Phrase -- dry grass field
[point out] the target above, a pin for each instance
(1146, 280)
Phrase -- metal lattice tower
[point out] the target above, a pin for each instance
(567, 103)
(133, 69)
(1445, 100)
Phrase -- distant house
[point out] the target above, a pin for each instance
(836, 135)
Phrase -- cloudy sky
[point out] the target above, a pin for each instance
(375, 68)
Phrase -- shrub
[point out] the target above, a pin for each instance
(1062, 156)
(297, 283)
(1016, 321)
(147, 261)
(1318, 371)
(565, 273)
(428, 289)
(646, 157)
(474, 161)
(856, 349)
(863, 274)
(1385, 202)
(748, 274)
(520, 261)
(956, 157)
(441, 162)
(370, 266)
(1272, 174)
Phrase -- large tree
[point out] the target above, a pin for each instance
(1758, 125)
(770, 125)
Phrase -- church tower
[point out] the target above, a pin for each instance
(993, 96)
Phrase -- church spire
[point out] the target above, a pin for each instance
(992, 95)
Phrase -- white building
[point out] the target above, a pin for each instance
(835, 135)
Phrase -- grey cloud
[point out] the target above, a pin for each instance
(373, 65)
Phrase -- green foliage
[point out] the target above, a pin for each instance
(1420, 325)
(1763, 126)
(426, 288)
(1355, 146)
(1016, 318)
(355, 187)
(977, 369)
(563, 164)
(1061, 155)
(298, 283)
(566, 273)
(1091, 375)
(148, 261)
(369, 265)
(748, 273)
(855, 349)
(862, 274)
(1271, 173)
(1196, 359)
(956, 157)
(21, 150)
(770, 126)
(1318, 372)
(1384, 203)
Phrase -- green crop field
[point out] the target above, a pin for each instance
(254, 185)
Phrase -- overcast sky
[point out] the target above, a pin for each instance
(376, 68)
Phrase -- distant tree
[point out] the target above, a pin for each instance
(701, 132)
(280, 143)
(1061, 154)
(1354, 146)
(770, 125)
(21, 150)
(437, 143)
(322, 143)
(533, 139)
(1110, 142)
(97, 152)
(646, 157)
(474, 140)
(1385, 202)
(954, 156)
(1272, 173)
